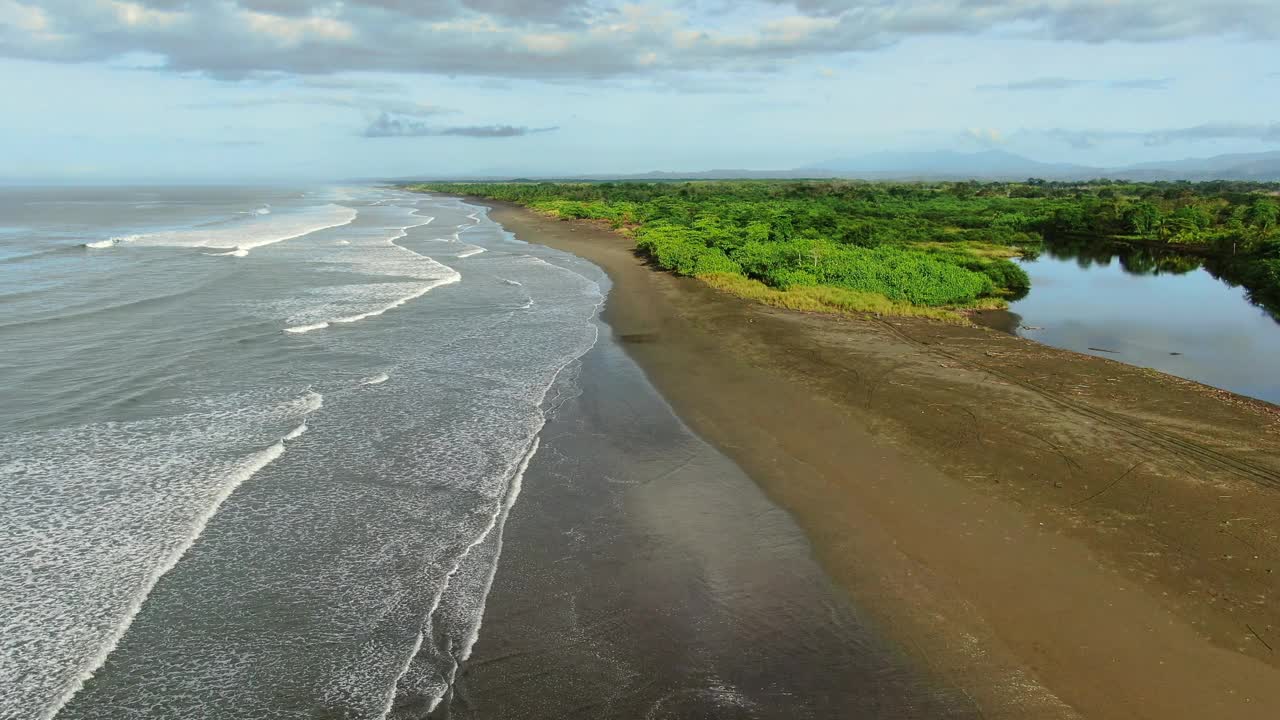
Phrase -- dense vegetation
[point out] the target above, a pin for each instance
(940, 245)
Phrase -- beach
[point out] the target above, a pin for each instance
(387, 462)
(365, 453)
(644, 575)
(1057, 535)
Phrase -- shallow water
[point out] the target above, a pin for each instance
(1178, 319)
(208, 515)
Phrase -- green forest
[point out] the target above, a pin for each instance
(910, 248)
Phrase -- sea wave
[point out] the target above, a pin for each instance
(481, 572)
(453, 277)
(299, 329)
(157, 485)
(236, 238)
(112, 241)
(404, 262)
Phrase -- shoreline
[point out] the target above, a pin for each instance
(645, 575)
(1058, 534)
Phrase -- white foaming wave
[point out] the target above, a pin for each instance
(473, 250)
(112, 241)
(517, 483)
(430, 682)
(299, 329)
(343, 242)
(496, 521)
(450, 279)
(417, 627)
(375, 379)
(107, 524)
(510, 282)
(400, 262)
(240, 237)
(232, 253)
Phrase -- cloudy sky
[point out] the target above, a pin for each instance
(110, 90)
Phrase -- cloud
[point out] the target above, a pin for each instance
(1084, 139)
(1141, 84)
(987, 137)
(328, 82)
(1062, 83)
(569, 39)
(388, 125)
(1078, 139)
(368, 105)
(495, 131)
(1267, 133)
(1044, 83)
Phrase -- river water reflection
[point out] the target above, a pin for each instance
(1163, 312)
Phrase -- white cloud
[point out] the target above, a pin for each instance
(985, 136)
(546, 43)
(558, 39)
(293, 31)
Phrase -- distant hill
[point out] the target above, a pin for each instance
(952, 165)
(949, 164)
(1241, 166)
(1001, 165)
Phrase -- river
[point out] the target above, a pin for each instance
(1166, 312)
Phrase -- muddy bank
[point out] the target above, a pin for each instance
(1057, 533)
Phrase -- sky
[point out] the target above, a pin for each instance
(264, 90)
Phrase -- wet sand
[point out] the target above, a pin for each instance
(1057, 534)
(644, 575)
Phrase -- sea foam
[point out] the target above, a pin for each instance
(102, 548)
(384, 256)
(237, 237)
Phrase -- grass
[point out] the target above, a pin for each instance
(824, 299)
(977, 249)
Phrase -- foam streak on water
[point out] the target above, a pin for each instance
(187, 532)
(107, 545)
(392, 260)
(244, 234)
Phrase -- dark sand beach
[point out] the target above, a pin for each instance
(645, 576)
(1052, 534)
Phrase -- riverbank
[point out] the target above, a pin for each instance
(1056, 533)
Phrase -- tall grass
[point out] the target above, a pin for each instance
(824, 299)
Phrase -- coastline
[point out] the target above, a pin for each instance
(1056, 533)
(644, 575)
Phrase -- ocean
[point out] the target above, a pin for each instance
(235, 485)
(261, 450)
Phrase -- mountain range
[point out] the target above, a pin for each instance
(952, 165)
(1001, 165)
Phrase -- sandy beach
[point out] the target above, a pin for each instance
(1056, 534)
(645, 576)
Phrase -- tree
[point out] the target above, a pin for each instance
(1263, 214)
(1143, 218)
